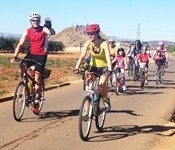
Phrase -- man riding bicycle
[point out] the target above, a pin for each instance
(37, 36)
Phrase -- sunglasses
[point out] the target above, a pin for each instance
(111, 42)
(35, 20)
(91, 34)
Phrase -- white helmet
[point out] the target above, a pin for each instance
(118, 45)
(35, 15)
(111, 40)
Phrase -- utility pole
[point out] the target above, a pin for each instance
(138, 31)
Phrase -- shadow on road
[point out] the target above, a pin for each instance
(123, 131)
(52, 115)
(131, 112)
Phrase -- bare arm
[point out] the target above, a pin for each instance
(83, 54)
(106, 48)
(125, 62)
(21, 42)
(50, 31)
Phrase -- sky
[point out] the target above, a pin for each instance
(132, 19)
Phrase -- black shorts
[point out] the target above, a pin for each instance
(40, 58)
(98, 70)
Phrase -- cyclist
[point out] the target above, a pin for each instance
(121, 63)
(100, 59)
(164, 51)
(148, 51)
(130, 58)
(159, 58)
(136, 51)
(143, 60)
(37, 36)
(113, 49)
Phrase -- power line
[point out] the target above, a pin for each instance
(138, 31)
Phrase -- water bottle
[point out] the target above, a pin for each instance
(95, 98)
(30, 87)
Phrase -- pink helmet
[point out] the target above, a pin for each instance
(92, 28)
(161, 43)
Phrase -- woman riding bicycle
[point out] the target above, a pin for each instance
(159, 58)
(100, 59)
(37, 36)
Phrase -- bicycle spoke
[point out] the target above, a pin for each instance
(19, 101)
(85, 118)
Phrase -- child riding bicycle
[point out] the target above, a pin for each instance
(121, 63)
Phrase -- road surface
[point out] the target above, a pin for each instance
(135, 122)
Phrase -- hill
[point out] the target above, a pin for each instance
(71, 37)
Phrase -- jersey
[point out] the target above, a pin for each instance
(144, 58)
(113, 50)
(120, 61)
(159, 55)
(38, 41)
(97, 59)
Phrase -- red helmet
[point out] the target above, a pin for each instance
(92, 28)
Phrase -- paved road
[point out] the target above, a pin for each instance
(135, 122)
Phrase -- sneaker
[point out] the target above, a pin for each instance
(35, 106)
(107, 104)
(124, 88)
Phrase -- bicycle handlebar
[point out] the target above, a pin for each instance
(26, 59)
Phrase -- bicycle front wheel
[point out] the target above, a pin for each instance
(100, 115)
(85, 118)
(19, 101)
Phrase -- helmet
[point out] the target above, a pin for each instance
(138, 41)
(118, 45)
(92, 28)
(34, 15)
(144, 48)
(161, 43)
(111, 40)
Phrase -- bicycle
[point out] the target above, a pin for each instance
(142, 74)
(110, 80)
(135, 68)
(119, 78)
(130, 66)
(91, 107)
(24, 95)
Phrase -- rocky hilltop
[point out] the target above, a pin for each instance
(71, 37)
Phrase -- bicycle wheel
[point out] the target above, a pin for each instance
(19, 101)
(142, 80)
(40, 102)
(158, 77)
(100, 115)
(85, 118)
(117, 86)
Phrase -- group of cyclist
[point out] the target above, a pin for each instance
(106, 56)
(101, 55)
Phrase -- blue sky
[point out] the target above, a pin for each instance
(118, 18)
